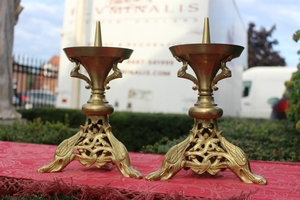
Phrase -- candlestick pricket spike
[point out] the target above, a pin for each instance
(205, 150)
(95, 143)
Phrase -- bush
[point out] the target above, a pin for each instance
(134, 130)
(293, 88)
(74, 116)
(260, 139)
(36, 131)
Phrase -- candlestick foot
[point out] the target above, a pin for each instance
(206, 151)
(93, 144)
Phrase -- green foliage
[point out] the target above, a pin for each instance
(134, 130)
(162, 146)
(259, 139)
(157, 133)
(293, 88)
(35, 131)
(296, 36)
(74, 116)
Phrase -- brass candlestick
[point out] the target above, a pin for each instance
(95, 142)
(206, 150)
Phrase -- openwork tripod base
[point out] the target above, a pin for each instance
(93, 144)
(206, 150)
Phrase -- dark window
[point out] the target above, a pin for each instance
(246, 88)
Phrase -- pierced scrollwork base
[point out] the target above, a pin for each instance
(94, 144)
(206, 151)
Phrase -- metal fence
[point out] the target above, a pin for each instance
(35, 83)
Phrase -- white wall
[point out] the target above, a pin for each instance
(150, 27)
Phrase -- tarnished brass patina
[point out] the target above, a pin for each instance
(205, 150)
(95, 143)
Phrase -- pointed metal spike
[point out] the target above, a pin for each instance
(98, 39)
(206, 33)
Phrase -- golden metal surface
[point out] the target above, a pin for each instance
(98, 37)
(205, 150)
(206, 33)
(94, 143)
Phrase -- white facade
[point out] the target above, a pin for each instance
(150, 27)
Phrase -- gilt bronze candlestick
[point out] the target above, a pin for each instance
(95, 142)
(206, 150)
